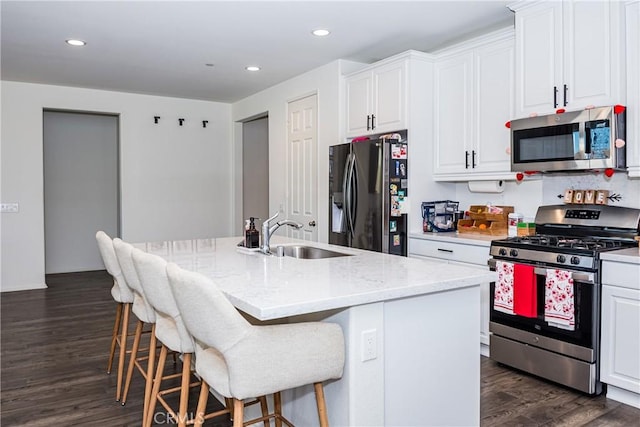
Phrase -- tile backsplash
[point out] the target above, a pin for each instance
(527, 195)
(628, 189)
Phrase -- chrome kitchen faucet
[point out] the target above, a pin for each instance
(268, 230)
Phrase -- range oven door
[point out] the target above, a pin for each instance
(580, 343)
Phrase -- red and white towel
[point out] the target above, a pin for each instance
(503, 293)
(559, 301)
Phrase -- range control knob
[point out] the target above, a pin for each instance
(502, 251)
(513, 252)
(561, 258)
(575, 260)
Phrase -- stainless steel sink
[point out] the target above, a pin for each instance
(310, 252)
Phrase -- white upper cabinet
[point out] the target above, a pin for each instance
(376, 99)
(568, 55)
(633, 87)
(473, 99)
(494, 106)
(453, 91)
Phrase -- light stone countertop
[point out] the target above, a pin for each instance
(270, 287)
(629, 255)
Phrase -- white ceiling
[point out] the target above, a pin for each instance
(161, 47)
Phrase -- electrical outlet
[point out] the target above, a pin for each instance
(9, 207)
(369, 345)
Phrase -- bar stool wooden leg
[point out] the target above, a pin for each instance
(114, 336)
(265, 410)
(156, 386)
(132, 360)
(228, 403)
(238, 413)
(277, 408)
(184, 389)
(150, 371)
(123, 348)
(202, 404)
(322, 407)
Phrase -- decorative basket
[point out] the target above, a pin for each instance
(486, 223)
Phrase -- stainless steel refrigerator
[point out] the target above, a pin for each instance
(368, 201)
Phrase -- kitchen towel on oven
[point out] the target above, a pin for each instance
(524, 291)
(558, 308)
(503, 291)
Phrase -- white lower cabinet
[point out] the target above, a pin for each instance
(462, 254)
(620, 338)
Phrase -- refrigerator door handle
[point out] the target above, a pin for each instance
(351, 197)
(346, 190)
(354, 194)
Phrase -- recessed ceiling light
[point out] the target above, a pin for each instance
(253, 68)
(76, 42)
(320, 32)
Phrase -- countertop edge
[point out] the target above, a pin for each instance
(346, 302)
(628, 255)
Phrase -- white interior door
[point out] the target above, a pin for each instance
(80, 188)
(302, 188)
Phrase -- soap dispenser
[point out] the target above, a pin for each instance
(252, 236)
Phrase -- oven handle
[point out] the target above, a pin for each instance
(576, 276)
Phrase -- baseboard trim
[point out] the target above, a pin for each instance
(623, 396)
(23, 288)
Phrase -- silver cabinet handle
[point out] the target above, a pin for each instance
(312, 223)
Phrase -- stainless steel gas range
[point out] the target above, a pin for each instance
(545, 306)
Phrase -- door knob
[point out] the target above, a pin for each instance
(312, 223)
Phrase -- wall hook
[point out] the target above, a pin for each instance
(156, 119)
(180, 121)
(204, 123)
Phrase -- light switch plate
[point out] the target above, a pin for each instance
(9, 207)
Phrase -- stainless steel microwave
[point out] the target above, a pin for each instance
(575, 140)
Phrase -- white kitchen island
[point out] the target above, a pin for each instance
(410, 325)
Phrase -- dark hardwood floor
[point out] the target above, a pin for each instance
(54, 355)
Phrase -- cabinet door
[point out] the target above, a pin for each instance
(389, 97)
(620, 351)
(591, 53)
(461, 254)
(359, 100)
(538, 58)
(494, 88)
(453, 114)
(633, 88)
(485, 312)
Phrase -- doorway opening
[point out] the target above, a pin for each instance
(255, 169)
(81, 187)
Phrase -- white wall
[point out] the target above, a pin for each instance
(527, 195)
(176, 181)
(326, 83)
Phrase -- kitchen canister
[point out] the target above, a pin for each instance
(513, 220)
